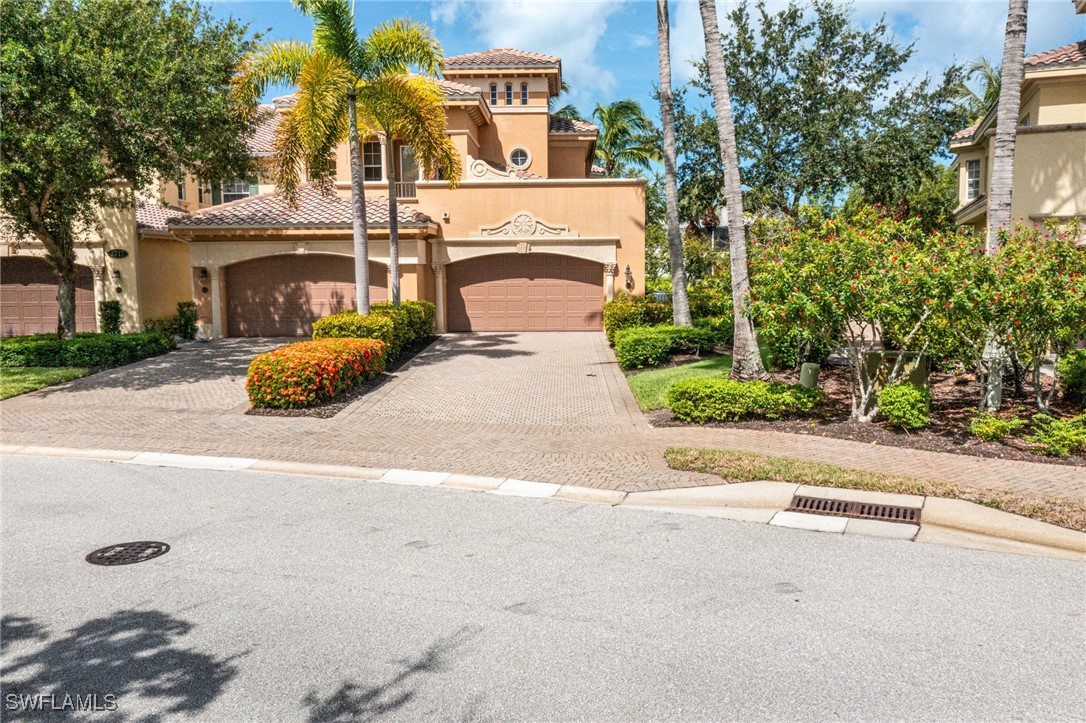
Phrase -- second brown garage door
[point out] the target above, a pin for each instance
(284, 295)
(525, 292)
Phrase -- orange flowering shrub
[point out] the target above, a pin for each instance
(309, 372)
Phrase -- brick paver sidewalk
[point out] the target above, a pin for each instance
(547, 407)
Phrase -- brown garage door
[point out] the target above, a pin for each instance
(283, 295)
(28, 297)
(525, 292)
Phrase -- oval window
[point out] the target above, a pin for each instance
(519, 158)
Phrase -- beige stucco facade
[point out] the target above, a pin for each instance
(1050, 151)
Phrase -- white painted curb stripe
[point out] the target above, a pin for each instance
(526, 488)
(188, 461)
(413, 477)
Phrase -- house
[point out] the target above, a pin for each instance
(1050, 150)
(532, 238)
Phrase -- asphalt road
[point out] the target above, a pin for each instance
(289, 598)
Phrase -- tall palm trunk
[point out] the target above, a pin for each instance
(680, 304)
(746, 359)
(1002, 179)
(393, 222)
(358, 213)
(1010, 101)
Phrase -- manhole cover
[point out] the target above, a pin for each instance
(126, 553)
(860, 510)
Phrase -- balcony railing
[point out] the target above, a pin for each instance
(405, 189)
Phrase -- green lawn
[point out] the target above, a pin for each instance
(651, 387)
(19, 380)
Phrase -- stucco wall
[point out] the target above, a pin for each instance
(567, 160)
(516, 129)
(163, 276)
(1049, 174)
(1062, 103)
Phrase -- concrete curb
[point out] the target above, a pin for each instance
(944, 521)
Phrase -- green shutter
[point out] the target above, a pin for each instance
(216, 194)
(254, 187)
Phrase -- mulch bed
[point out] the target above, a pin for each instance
(331, 408)
(954, 403)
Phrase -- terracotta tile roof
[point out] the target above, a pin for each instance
(598, 170)
(1067, 55)
(456, 90)
(314, 209)
(262, 141)
(499, 57)
(568, 125)
(154, 216)
(965, 133)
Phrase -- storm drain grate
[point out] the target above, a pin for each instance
(126, 553)
(861, 510)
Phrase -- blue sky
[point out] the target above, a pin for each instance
(608, 47)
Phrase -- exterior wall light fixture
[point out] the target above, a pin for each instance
(203, 274)
(629, 278)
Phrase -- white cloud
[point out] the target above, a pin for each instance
(570, 29)
(446, 11)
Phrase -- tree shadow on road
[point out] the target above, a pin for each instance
(129, 654)
(491, 345)
(353, 701)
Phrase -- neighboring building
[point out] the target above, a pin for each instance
(532, 239)
(1050, 151)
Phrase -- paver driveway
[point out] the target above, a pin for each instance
(541, 406)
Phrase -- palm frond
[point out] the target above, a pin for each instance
(333, 28)
(319, 112)
(569, 111)
(411, 108)
(267, 64)
(398, 45)
(288, 157)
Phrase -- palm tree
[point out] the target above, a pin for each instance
(333, 74)
(626, 138)
(746, 358)
(977, 102)
(1002, 178)
(680, 304)
(411, 109)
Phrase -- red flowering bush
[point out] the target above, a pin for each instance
(309, 372)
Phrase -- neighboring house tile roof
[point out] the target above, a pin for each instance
(598, 170)
(965, 133)
(262, 142)
(569, 125)
(1067, 55)
(499, 57)
(154, 216)
(314, 209)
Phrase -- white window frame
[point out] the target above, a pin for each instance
(509, 94)
(368, 166)
(493, 94)
(180, 191)
(238, 189)
(527, 154)
(972, 179)
(524, 94)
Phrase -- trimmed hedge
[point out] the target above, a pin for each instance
(109, 316)
(727, 400)
(308, 372)
(397, 326)
(652, 346)
(85, 350)
(1072, 372)
(626, 312)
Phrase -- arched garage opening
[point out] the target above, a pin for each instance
(28, 297)
(284, 295)
(525, 292)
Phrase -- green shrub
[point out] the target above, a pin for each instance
(727, 400)
(652, 346)
(786, 348)
(721, 327)
(1058, 437)
(991, 428)
(351, 324)
(307, 372)
(109, 316)
(186, 319)
(1072, 374)
(626, 312)
(427, 312)
(905, 405)
(403, 333)
(85, 350)
(167, 325)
